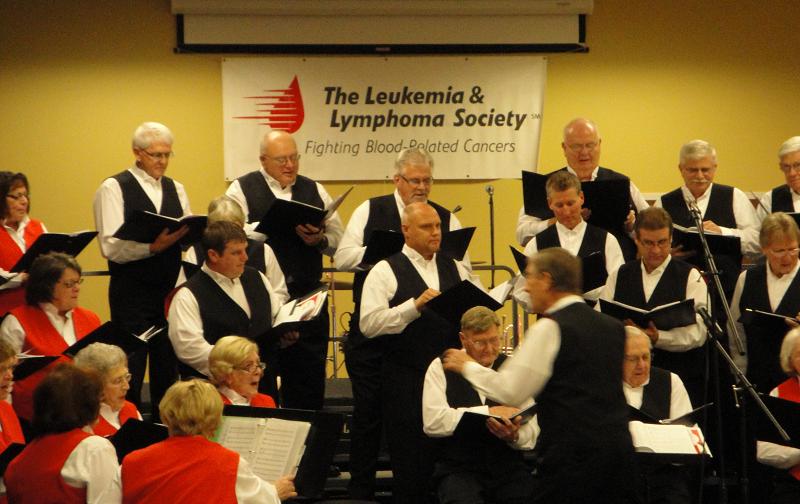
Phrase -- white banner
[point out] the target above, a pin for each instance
(479, 117)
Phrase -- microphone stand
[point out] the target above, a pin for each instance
(490, 192)
(713, 272)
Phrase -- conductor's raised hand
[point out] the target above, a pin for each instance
(165, 239)
(425, 297)
(285, 487)
(454, 360)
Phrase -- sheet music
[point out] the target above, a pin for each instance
(666, 438)
(240, 435)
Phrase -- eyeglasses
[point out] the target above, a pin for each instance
(790, 167)
(579, 147)
(253, 367)
(18, 196)
(284, 160)
(126, 378)
(160, 156)
(69, 284)
(636, 358)
(418, 182)
(481, 344)
(653, 244)
(783, 252)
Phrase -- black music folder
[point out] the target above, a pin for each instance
(795, 216)
(473, 423)
(594, 271)
(786, 412)
(135, 434)
(190, 269)
(144, 227)
(9, 454)
(72, 244)
(689, 240)
(520, 259)
(452, 303)
(665, 317)
(319, 440)
(609, 202)
(284, 215)
(382, 244)
(29, 364)
(112, 334)
(456, 242)
(534, 195)
(688, 419)
(775, 322)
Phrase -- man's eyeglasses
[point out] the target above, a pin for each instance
(784, 252)
(576, 147)
(786, 167)
(418, 182)
(284, 160)
(160, 156)
(253, 367)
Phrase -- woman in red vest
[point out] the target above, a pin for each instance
(236, 370)
(49, 322)
(188, 467)
(787, 483)
(111, 364)
(11, 431)
(17, 232)
(64, 463)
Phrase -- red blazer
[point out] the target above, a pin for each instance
(35, 475)
(790, 390)
(258, 400)
(9, 255)
(41, 338)
(12, 432)
(103, 428)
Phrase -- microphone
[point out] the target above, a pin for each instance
(692, 204)
(489, 189)
(456, 209)
(707, 320)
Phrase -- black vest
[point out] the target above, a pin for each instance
(383, 216)
(428, 336)
(483, 452)
(582, 404)
(255, 254)
(160, 271)
(764, 338)
(720, 207)
(657, 394)
(594, 241)
(782, 199)
(689, 365)
(301, 264)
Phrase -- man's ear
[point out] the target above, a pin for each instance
(212, 256)
(462, 338)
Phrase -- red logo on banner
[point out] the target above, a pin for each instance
(280, 109)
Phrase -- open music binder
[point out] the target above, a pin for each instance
(785, 411)
(278, 441)
(665, 317)
(112, 334)
(383, 244)
(28, 364)
(68, 243)
(284, 215)
(144, 227)
(135, 434)
(687, 419)
(671, 440)
(452, 303)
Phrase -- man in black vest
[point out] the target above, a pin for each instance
(581, 145)
(225, 298)
(571, 363)
(657, 279)
(142, 274)
(661, 395)
(572, 233)
(413, 179)
(392, 309)
(302, 366)
(785, 198)
(485, 464)
(772, 287)
(725, 209)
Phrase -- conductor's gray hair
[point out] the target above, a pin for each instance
(149, 132)
(789, 146)
(697, 149)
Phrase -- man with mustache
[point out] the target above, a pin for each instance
(785, 198)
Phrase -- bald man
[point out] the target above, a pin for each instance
(392, 308)
(302, 365)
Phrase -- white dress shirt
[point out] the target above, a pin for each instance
(529, 226)
(92, 465)
(112, 416)
(109, 215)
(526, 373)
(352, 247)
(775, 455)
(679, 402)
(377, 317)
(679, 339)
(440, 420)
(18, 235)
(764, 207)
(186, 325)
(776, 289)
(235, 398)
(12, 331)
(333, 226)
(747, 227)
(274, 273)
(571, 240)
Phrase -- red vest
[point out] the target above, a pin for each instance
(9, 255)
(41, 338)
(790, 390)
(35, 475)
(181, 469)
(258, 400)
(12, 432)
(103, 428)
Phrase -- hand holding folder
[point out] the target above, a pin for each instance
(146, 227)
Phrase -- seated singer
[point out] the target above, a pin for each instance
(236, 370)
(473, 467)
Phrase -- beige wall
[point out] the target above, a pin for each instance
(75, 80)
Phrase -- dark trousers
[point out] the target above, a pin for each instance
(665, 484)
(363, 362)
(302, 366)
(412, 453)
(471, 487)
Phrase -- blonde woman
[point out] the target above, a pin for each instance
(236, 370)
